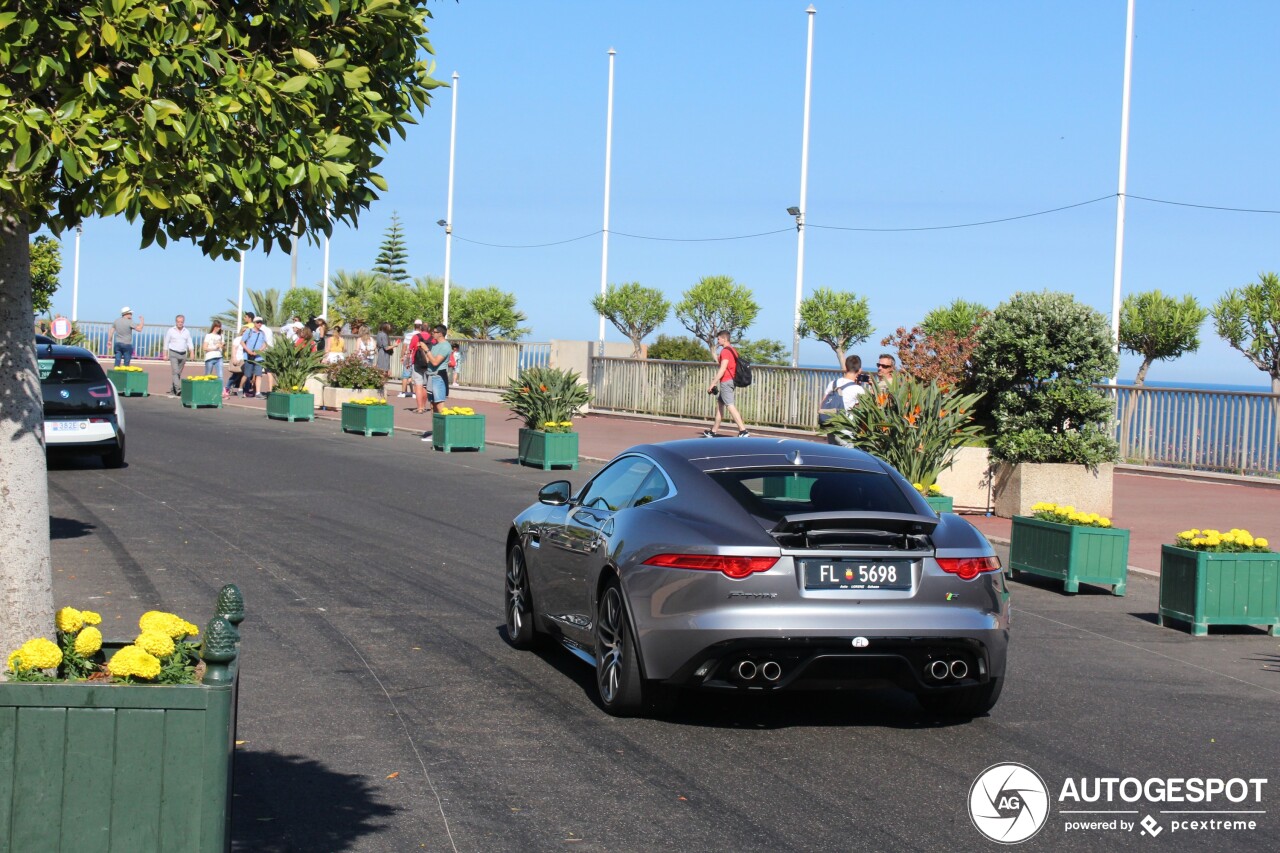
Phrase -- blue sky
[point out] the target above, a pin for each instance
(923, 114)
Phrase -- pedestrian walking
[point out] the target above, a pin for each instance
(122, 330)
(255, 341)
(723, 388)
(178, 344)
(382, 360)
(406, 360)
(237, 367)
(213, 350)
(455, 362)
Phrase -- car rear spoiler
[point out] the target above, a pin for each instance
(812, 529)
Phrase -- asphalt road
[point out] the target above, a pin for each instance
(381, 709)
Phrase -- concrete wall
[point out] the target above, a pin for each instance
(968, 480)
(1017, 487)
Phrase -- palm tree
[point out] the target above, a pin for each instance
(267, 304)
(350, 294)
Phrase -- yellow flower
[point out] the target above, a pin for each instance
(90, 618)
(134, 662)
(69, 620)
(919, 488)
(37, 653)
(566, 423)
(549, 423)
(156, 643)
(167, 623)
(935, 489)
(1261, 542)
(1104, 522)
(88, 642)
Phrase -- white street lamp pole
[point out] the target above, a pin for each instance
(608, 164)
(75, 279)
(804, 188)
(240, 297)
(1124, 176)
(448, 215)
(324, 276)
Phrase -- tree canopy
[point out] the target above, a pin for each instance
(837, 318)
(634, 310)
(484, 313)
(716, 303)
(1159, 327)
(46, 264)
(1248, 319)
(961, 318)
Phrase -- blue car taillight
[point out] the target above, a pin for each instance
(968, 568)
(734, 567)
(100, 392)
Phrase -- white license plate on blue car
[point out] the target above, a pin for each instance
(856, 574)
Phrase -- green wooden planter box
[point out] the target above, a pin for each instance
(457, 432)
(370, 420)
(201, 392)
(940, 503)
(142, 768)
(291, 407)
(1071, 553)
(129, 383)
(1206, 588)
(791, 488)
(548, 449)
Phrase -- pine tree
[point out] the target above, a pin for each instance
(392, 254)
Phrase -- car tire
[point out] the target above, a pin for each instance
(114, 458)
(522, 633)
(618, 680)
(964, 702)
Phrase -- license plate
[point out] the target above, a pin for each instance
(68, 426)
(857, 574)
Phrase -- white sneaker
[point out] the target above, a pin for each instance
(706, 433)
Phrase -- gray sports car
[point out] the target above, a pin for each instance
(758, 564)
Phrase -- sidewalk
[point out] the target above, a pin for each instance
(1153, 508)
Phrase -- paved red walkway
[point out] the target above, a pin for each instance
(1153, 508)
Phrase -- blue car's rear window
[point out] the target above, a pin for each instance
(775, 493)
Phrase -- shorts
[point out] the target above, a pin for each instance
(437, 390)
(725, 394)
(406, 373)
(251, 369)
(423, 376)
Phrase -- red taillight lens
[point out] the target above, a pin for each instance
(734, 567)
(968, 568)
(99, 392)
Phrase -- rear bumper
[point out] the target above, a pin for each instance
(102, 434)
(819, 663)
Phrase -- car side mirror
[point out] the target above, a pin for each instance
(555, 494)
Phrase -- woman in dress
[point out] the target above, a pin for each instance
(366, 347)
(385, 346)
(335, 348)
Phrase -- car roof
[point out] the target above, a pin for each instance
(62, 351)
(720, 454)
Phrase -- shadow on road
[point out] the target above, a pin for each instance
(871, 707)
(287, 803)
(69, 528)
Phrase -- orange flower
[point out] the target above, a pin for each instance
(881, 399)
(942, 413)
(911, 418)
(884, 429)
(543, 387)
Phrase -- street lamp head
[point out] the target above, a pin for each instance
(441, 223)
(794, 211)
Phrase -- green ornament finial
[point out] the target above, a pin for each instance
(230, 604)
(219, 641)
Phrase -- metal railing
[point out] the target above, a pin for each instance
(778, 396)
(1230, 431)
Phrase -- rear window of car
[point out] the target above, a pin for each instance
(71, 371)
(776, 493)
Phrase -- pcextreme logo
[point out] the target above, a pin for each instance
(1009, 803)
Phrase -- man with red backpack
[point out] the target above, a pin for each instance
(723, 387)
(418, 357)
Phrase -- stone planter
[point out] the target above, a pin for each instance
(1204, 588)
(143, 768)
(291, 407)
(129, 383)
(370, 420)
(968, 481)
(1071, 553)
(334, 398)
(1017, 487)
(546, 450)
(940, 503)
(201, 392)
(457, 432)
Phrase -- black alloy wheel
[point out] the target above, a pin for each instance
(618, 678)
(518, 603)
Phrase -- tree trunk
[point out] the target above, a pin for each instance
(1142, 372)
(26, 596)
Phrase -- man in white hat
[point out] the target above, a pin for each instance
(122, 335)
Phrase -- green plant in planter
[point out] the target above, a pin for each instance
(917, 427)
(291, 365)
(543, 396)
(353, 373)
(1038, 357)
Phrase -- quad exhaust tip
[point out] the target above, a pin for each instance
(771, 670)
(746, 670)
(959, 669)
(940, 670)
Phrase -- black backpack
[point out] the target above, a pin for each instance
(741, 371)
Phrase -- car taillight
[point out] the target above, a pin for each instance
(968, 568)
(99, 392)
(734, 567)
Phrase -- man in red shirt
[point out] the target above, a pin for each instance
(722, 387)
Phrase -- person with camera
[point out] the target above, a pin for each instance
(842, 393)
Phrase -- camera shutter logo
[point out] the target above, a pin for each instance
(1008, 803)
